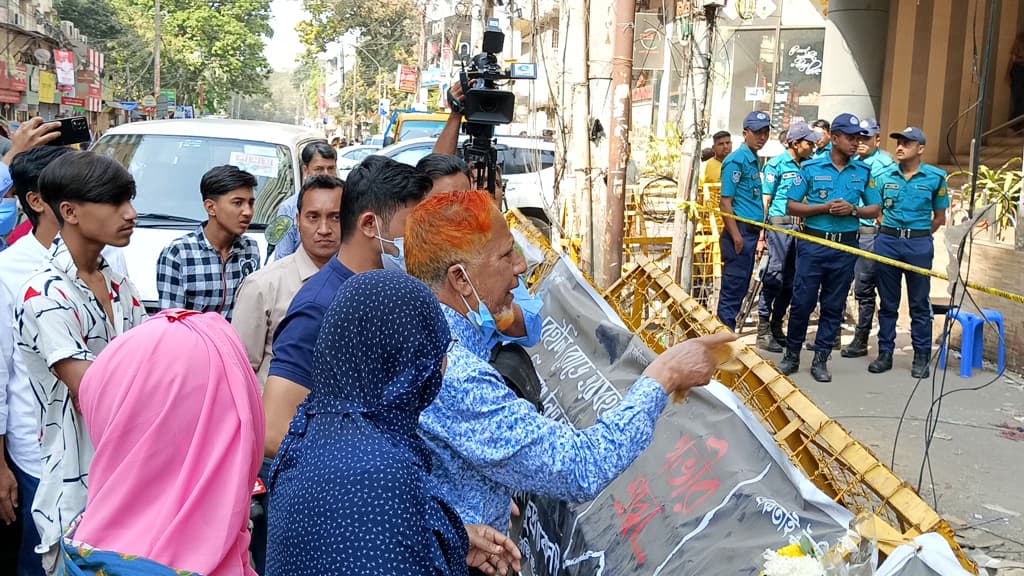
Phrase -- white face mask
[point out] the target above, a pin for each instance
(388, 261)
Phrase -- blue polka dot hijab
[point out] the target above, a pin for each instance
(380, 348)
(350, 491)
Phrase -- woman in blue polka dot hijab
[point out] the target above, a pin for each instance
(350, 492)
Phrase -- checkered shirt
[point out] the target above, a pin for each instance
(190, 274)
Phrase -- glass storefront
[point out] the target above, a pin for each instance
(771, 64)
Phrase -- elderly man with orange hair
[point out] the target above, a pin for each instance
(488, 443)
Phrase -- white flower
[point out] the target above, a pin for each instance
(775, 565)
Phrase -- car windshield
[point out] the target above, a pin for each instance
(515, 160)
(167, 171)
(421, 129)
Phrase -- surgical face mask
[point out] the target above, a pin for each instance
(8, 215)
(481, 318)
(390, 262)
(531, 306)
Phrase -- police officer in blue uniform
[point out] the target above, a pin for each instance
(827, 198)
(864, 271)
(741, 195)
(777, 282)
(821, 126)
(914, 203)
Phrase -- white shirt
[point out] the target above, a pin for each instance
(19, 409)
(58, 318)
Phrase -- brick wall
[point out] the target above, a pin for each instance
(999, 266)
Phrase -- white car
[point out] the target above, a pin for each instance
(169, 157)
(349, 156)
(527, 165)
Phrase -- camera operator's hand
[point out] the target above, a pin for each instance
(448, 140)
(455, 92)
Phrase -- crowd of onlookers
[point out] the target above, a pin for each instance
(335, 410)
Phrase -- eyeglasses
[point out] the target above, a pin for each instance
(451, 345)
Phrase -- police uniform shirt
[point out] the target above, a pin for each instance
(877, 161)
(822, 183)
(780, 173)
(910, 204)
(741, 181)
(823, 152)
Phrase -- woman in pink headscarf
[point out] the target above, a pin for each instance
(173, 409)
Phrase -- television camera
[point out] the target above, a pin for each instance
(485, 105)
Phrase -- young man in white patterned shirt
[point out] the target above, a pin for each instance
(203, 269)
(65, 315)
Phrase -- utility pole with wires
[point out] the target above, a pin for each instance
(697, 109)
(156, 48)
(578, 72)
(618, 141)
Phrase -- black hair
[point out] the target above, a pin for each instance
(220, 180)
(380, 185)
(721, 134)
(25, 170)
(440, 165)
(318, 182)
(822, 123)
(85, 177)
(318, 148)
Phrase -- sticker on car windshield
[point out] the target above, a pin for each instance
(261, 150)
(255, 164)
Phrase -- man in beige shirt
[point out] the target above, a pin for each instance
(264, 296)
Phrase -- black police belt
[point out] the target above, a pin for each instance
(841, 237)
(904, 232)
(782, 220)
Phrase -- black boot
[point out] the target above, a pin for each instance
(819, 367)
(778, 333)
(881, 364)
(922, 359)
(765, 341)
(790, 362)
(858, 347)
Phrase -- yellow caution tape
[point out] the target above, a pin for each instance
(689, 205)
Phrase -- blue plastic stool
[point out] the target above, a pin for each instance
(972, 343)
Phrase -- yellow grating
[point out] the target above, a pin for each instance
(662, 314)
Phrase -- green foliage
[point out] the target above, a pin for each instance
(216, 44)
(1001, 187)
(388, 32)
(661, 155)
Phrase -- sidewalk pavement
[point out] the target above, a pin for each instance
(976, 470)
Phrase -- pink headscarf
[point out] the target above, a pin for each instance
(174, 411)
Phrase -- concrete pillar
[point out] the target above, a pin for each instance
(854, 58)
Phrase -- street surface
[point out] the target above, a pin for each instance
(977, 472)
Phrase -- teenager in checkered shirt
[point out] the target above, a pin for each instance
(203, 269)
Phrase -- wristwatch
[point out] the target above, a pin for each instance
(854, 213)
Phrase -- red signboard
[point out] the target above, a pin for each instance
(643, 93)
(95, 91)
(407, 76)
(10, 97)
(19, 78)
(77, 102)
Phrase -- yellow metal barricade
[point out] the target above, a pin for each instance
(662, 314)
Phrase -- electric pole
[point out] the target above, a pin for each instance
(618, 142)
(578, 71)
(156, 49)
(697, 108)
